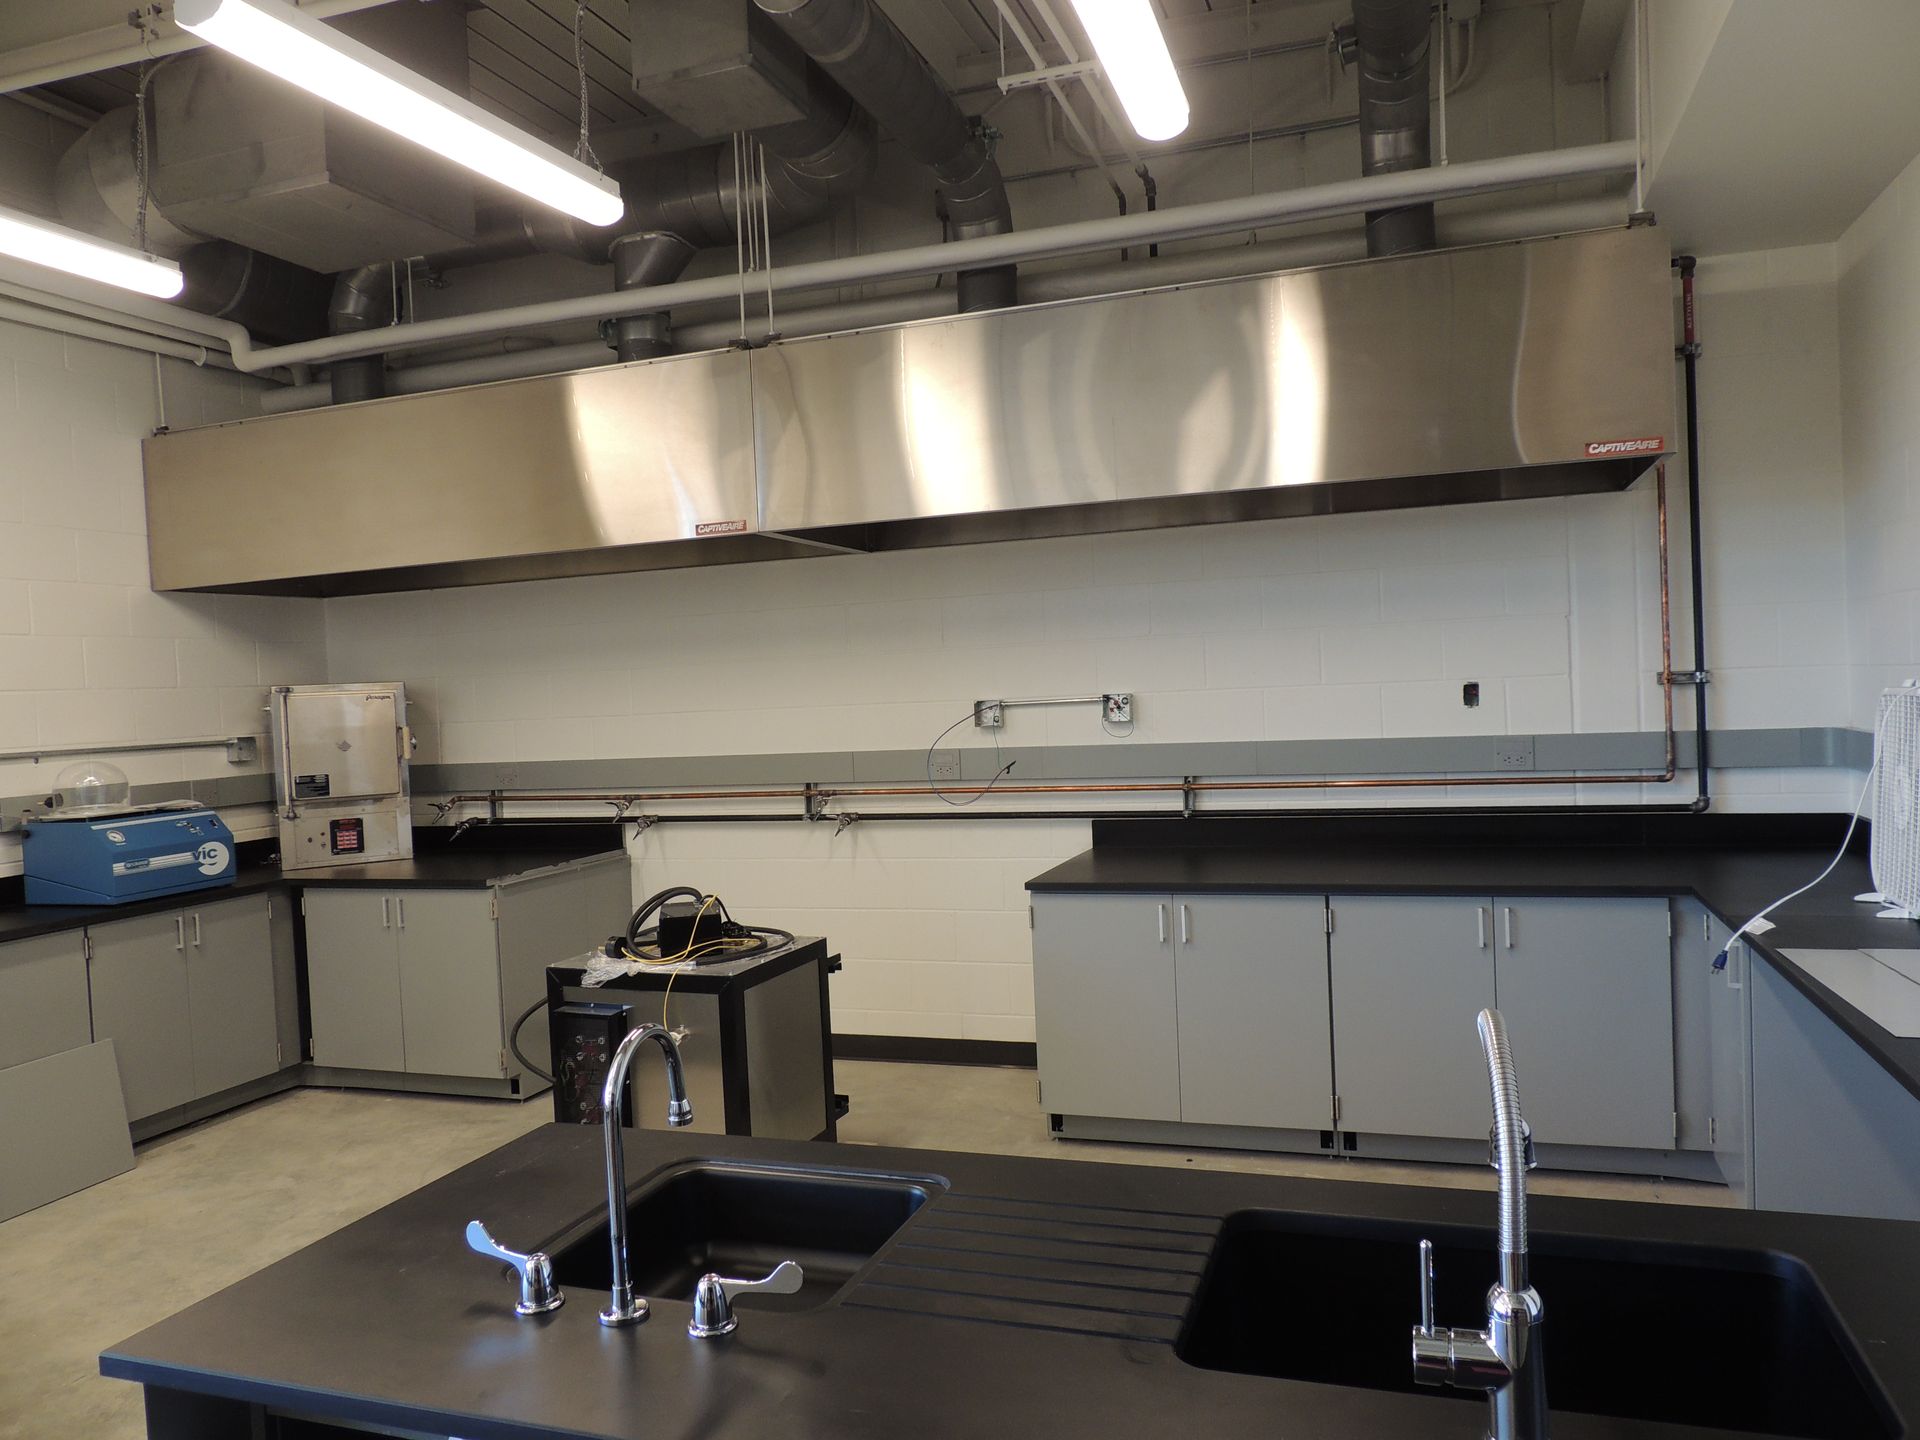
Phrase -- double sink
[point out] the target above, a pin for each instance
(1734, 1340)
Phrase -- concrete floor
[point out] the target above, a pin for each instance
(212, 1204)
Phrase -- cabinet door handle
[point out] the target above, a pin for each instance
(1480, 920)
(180, 933)
(1186, 924)
(1736, 958)
(196, 929)
(1506, 918)
(400, 908)
(1160, 914)
(386, 916)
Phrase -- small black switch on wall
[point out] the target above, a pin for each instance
(1470, 694)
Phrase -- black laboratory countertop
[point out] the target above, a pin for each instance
(465, 864)
(1734, 865)
(1026, 1298)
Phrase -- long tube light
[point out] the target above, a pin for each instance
(1126, 36)
(340, 70)
(59, 248)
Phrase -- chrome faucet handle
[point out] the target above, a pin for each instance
(538, 1293)
(713, 1301)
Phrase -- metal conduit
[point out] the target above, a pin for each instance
(814, 796)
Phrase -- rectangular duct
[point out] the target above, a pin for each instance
(244, 157)
(716, 66)
(1506, 371)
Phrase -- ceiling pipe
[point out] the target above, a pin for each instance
(1199, 266)
(1186, 222)
(1391, 41)
(855, 43)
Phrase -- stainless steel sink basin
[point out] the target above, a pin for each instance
(1733, 1339)
(742, 1220)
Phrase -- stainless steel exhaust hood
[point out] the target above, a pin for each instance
(1506, 371)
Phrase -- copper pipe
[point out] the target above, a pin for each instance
(819, 794)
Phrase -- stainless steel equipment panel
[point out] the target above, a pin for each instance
(343, 744)
(588, 462)
(1480, 362)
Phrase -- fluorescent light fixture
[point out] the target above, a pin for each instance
(1132, 50)
(340, 70)
(58, 248)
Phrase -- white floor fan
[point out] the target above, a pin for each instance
(1896, 806)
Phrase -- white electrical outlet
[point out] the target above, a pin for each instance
(1118, 708)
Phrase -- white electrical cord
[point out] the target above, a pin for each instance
(1866, 789)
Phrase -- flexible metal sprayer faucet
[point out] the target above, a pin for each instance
(1506, 1359)
(624, 1308)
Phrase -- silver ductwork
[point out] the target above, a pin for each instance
(1391, 41)
(880, 68)
(1503, 371)
(362, 300)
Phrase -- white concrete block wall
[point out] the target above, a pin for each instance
(1879, 261)
(89, 655)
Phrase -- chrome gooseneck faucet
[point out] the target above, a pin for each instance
(624, 1308)
(1506, 1359)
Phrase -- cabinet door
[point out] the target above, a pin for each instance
(43, 997)
(450, 982)
(1587, 990)
(353, 979)
(1256, 1044)
(231, 994)
(1103, 1005)
(138, 974)
(1732, 1125)
(1409, 976)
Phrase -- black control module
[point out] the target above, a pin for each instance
(584, 1039)
(685, 926)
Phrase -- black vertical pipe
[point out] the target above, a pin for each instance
(1689, 355)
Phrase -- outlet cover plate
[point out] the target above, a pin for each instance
(944, 765)
(1515, 752)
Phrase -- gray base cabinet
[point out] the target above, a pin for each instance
(138, 971)
(1103, 1004)
(1586, 987)
(1730, 1014)
(43, 997)
(189, 998)
(1256, 1038)
(1202, 1009)
(1409, 973)
(427, 982)
(1833, 1132)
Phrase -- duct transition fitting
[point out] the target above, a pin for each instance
(1391, 41)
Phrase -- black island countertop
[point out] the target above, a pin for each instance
(997, 1310)
(1733, 865)
(473, 862)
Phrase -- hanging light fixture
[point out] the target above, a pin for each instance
(27, 238)
(340, 70)
(1133, 52)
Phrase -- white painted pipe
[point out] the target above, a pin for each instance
(1043, 287)
(1317, 202)
(1286, 207)
(61, 323)
(66, 61)
(117, 318)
